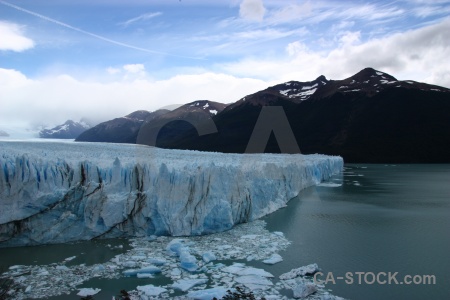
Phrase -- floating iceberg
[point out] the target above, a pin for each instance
(254, 282)
(208, 256)
(302, 271)
(146, 270)
(187, 284)
(92, 190)
(215, 277)
(208, 294)
(274, 259)
(88, 292)
(151, 290)
(303, 290)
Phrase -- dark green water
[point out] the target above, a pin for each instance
(382, 219)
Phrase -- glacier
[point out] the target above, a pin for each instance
(62, 192)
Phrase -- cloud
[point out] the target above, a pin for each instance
(99, 37)
(142, 17)
(350, 38)
(252, 10)
(53, 100)
(239, 41)
(291, 12)
(113, 71)
(134, 68)
(418, 54)
(12, 38)
(295, 48)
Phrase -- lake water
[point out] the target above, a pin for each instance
(382, 219)
(372, 218)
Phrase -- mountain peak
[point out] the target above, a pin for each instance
(208, 106)
(68, 130)
(321, 78)
(3, 133)
(368, 73)
(299, 91)
(138, 115)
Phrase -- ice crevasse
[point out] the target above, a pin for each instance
(60, 192)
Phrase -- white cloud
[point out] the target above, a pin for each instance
(134, 68)
(53, 100)
(142, 17)
(239, 41)
(252, 10)
(350, 38)
(12, 37)
(291, 12)
(113, 71)
(419, 54)
(295, 48)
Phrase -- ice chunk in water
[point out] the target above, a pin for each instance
(188, 261)
(217, 292)
(275, 258)
(88, 292)
(208, 256)
(151, 290)
(187, 284)
(254, 282)
(146, 270)
(302, 271)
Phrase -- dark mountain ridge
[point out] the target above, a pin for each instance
(370, 117)
(120, 130)
(127, 128)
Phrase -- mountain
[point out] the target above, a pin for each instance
(370, 117)
(68, 130)
(177, 123)
(3, 133)
(120, 130)
(126, 129)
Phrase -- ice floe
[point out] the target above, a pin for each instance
(88, 292)
(274, 259)
(216, 269)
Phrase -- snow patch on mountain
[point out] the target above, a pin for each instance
(309, 87)
(68, 130)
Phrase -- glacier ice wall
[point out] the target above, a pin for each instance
(60, 192)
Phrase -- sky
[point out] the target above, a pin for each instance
(103, 59)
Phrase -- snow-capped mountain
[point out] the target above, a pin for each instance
(300, 91)
(367, 82)
(68, 130)
(368, 117)
(3, 133)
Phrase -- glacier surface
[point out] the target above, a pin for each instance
(60, 192)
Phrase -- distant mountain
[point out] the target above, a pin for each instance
(3, 133)
(171, 106)
(68, 130)
(120, 130)
(369, 117)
